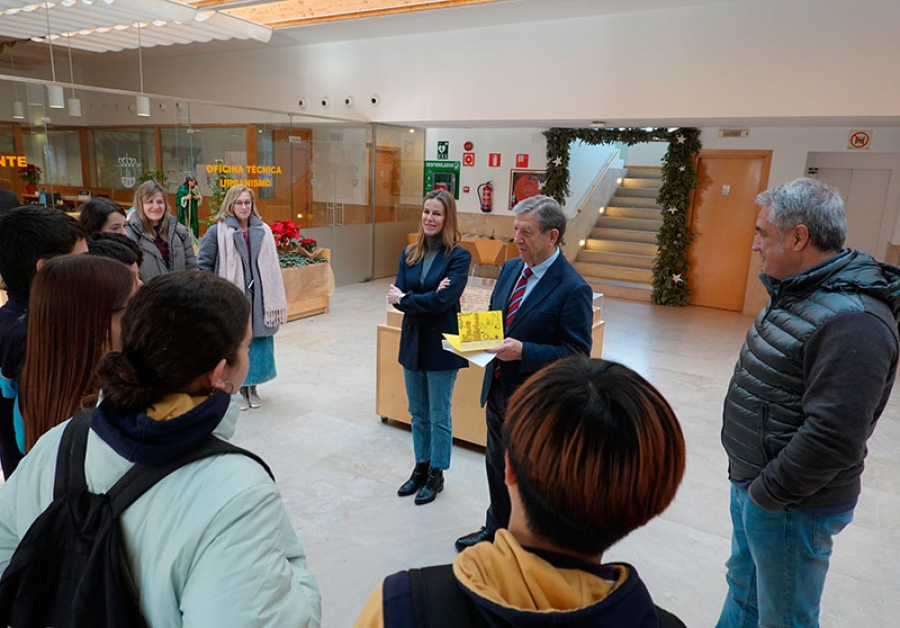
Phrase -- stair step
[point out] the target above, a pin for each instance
(642, 192)
(646, 213)
(624, 235)
(619, 246)
(634, 224)
(629, 260)
(640, 182)
(633, 201)
(621, 273)
(622, 289)
(644, 172)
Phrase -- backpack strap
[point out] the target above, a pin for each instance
(70, 455)
(668, 620)
(139, 479)
(440, 602)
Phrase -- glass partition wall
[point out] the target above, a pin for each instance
(355, 187)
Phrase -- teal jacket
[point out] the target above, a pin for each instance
(209, 545)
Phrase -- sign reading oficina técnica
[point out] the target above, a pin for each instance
(239, 173)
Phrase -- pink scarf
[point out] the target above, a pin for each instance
(232, 268)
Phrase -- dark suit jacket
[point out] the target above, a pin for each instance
(429, 313)
(553, 322)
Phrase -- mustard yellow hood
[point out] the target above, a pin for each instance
(505, 574)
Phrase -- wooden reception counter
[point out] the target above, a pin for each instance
(468, 415)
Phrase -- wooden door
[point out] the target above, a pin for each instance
(722, 218)
(387, 189)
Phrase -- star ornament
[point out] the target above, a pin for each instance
(677, 278)
(672, 210)
(557, 161)
(680, 139)
(681, 168)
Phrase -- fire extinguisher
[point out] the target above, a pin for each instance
(485, 193)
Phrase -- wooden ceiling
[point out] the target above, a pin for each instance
(287, 13)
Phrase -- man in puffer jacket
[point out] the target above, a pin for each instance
(813, 377)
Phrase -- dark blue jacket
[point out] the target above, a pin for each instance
(813, 377)
(553, 322)
(429, 313)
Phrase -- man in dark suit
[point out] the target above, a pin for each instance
(547, 315)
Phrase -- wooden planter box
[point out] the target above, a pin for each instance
(308, 289)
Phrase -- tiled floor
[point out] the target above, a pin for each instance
(338, 467)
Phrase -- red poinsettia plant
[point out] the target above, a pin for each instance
(287, 236)
(30, 174)
(293, 249)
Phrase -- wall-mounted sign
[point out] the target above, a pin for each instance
(859, 140)
(442, 175)
(238, 169)
(525, 184)
(468, 159)
(443, 149)
(468, 146)
(494, 160)
(13, 161)
(127, 170)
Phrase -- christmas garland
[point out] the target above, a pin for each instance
(678, 181)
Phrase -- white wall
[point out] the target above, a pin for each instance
(585, 163)
(507, 142)
(803, 58)
(791, 145)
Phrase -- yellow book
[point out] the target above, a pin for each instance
(480, 330)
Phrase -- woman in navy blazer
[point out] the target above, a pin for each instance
(430, 280)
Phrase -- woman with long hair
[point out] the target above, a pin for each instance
(430, 280)
(74, 315)
(187, 204)
(165, 242)
(240, 247)
(101, 215)
(593, 451)
(211, 543)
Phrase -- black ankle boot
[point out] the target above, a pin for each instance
(433, 486)
(416, 480)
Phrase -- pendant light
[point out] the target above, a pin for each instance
(56, 99)
(18, 107)
(74, 103)
(142, 102)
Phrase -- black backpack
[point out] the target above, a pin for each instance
(438, 601)
(68, 570)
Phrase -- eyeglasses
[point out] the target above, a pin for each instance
(244, 203)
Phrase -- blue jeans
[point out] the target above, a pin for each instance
(429, 394)
(778, 564)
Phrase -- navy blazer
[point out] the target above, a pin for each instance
(429, 313)
(553, 322)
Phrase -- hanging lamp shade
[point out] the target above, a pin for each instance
(56, 99)
(143, 106)
(74, 105)
(18, 110)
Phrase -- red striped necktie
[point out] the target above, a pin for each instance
(518, 293)
(515, 300)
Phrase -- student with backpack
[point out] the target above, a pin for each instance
(209, 543)
(29, 236)
(593, 451)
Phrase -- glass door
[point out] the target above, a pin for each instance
(341, 211)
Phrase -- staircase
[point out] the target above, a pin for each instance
(617, 258)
